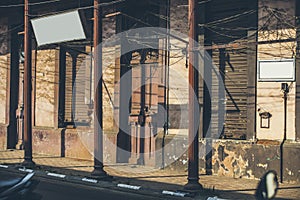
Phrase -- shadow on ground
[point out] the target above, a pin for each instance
(155, 185)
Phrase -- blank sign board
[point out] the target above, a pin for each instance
(276, 70)
(58, 28)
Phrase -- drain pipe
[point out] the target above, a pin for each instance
(285, 89)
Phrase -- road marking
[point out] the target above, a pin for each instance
(25, 170)
(215, 198)
(89, 180)
(133, 187)
(4, 166)
(178, 194)
(56, 175)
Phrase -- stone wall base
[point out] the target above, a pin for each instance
(233, 158)
(3, 137)
(73, 143)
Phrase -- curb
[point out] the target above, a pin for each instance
(112, 184)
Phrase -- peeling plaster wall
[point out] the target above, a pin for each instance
(243, 159)
(237, 159)
(247, 160)
(291, 164)
(175, 152)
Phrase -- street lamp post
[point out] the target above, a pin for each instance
(27, 90)
(193, 150)
(98, 102)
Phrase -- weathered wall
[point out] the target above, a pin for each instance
(269, 94)
(4, 62)
(238, 159)
(247, 160)
(179, 16)
(77, 143)
(4, 66)
(3, 137)
(108, 88)
(4, 47)
(46, 141)
(44, 93)
(73, 143)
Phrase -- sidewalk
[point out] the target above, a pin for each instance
(150, 178)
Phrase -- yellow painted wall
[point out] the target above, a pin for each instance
(269, 94)
(4, 63)
(45, 77)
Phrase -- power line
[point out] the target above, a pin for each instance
(80, 8)
(12, 29)
(232, 18)
(30, 4)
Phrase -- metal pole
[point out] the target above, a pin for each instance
(193, 150)
(285, 114)
(297, 63)
(98, 117)
(166, 83)
(285, 93)
(27, 90)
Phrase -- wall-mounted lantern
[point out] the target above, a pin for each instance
(265, 119)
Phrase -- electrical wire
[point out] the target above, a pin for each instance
(211, 24)
(79, 8)
(231, 18)
(30, 4)
(12, 29)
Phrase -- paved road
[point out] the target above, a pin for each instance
(49, 189)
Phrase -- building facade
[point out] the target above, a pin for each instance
(243, 129)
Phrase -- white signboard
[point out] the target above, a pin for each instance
(276, 70)
(58, 28)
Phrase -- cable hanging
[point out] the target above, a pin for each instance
(30, 4)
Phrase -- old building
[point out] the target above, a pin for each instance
(244, 126)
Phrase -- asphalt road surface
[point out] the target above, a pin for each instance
(49, 189)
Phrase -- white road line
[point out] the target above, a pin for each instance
(133, 187)
(89, 180)
(178, 194)
(25, 170)
(56, 175)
